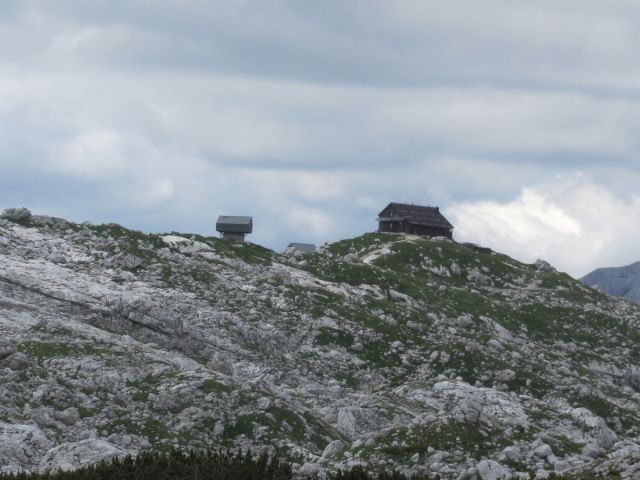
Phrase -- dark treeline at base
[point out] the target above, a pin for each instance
(212, 465)
(216, 465)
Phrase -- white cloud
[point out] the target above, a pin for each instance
(574, 223)
(309, 223)
(149, 194)
(92, 154)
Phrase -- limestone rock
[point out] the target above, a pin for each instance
(70, 416)
(332, 448)
(561, 466)
(455, 269)
(57, 258)
(512, 453)
(592, 450)
(15, 361)
(492, 470)
(465, 321)
(308, 470)
(507, 375)
(543, 451)
(17, 214)
(603, 435)
(22, 445)
(129, 261)
(543, 266)
(71, 456)
(480, 278)
(6, 351)
(346, 421)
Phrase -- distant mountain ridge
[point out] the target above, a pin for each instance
(621, 282)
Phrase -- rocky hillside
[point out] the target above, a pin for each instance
(387, 351)
(622, 282)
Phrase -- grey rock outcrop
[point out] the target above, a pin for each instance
(492, 470)
(15, 361)
(6, 351)
(543, 451)
(332, 448)
(543, 266)
(17, 214)
(308, 471)
(71, 456)
(22, 445)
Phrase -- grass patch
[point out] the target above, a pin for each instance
(52, 349)
(331, 336)
(213, 386)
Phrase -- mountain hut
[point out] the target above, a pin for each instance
(415, 220)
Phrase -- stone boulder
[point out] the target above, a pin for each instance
(332, 448)
(308, 470)
(126, 260)
(491, 470)
(479, 278)
(543, 266)
(15, 361)
(69, 417)
(346, 421)
(6, 351)
(543, 451)
(17, 214)
(604, 437)
(22, 445)
(479, 405)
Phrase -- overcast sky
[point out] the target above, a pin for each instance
(519, 119)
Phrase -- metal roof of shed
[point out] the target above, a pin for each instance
(234, 224)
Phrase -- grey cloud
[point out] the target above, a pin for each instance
(404, 43)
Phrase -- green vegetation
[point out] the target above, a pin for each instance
(139, 244)
(476, 439)
(359, 473)
(211, 385)
(245, 251)
(151, 428)
(52, 349)
(331, 336)
(23, 222)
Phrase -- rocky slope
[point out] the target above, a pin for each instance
(621, 282)
(384, 350)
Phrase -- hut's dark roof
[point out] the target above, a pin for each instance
(417, 214)
(234, 224)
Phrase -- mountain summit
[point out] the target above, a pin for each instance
(388, 351)
(621, 282)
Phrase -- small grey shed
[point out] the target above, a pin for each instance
(234, 228)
